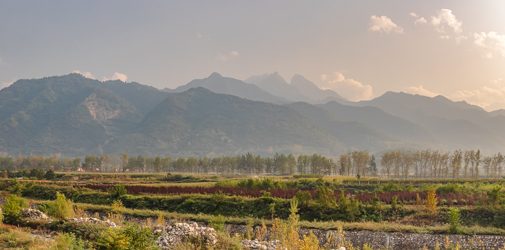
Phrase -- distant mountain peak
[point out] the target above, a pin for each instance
(215, 75)
(297, 77)
(227, 85)
(311, 90)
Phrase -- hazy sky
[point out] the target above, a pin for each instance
(359, 48)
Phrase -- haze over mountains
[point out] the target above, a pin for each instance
(215, 116)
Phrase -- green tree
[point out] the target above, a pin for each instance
(291, 164)
(124, 161)
(372, 166)
(12, 208)
(157, 164)
(453, 218)
(50, 175)
(324, 196)
(394, 203)
(117, 191)
(61, 208)
(76, 163)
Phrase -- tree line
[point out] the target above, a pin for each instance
(394, 164)
(437, 164)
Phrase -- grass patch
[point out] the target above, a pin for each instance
(14, 238)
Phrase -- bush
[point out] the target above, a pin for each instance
(68, 242)
(117, 191)
(12, 208)
(304, 198)
(16, 187)
(131, 237)
(389, 187)
(325, 196)
(495, 195)
(217, 223)
(50, 175)
(394, 203)
(60, 208)
(453, 217)
(431, 202)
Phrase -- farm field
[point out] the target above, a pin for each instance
(426, 206)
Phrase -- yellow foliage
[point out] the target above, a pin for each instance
(431, 202)
(308, 243)
(161, 220)
(261, 233)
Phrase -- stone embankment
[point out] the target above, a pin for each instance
(379, 240)
(172, 235)
(264, 245)
(398, 241)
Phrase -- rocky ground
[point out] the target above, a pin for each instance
(172, 235)
(33, 214)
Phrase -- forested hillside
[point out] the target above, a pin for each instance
(69, 114)
(199, 122)
(456, 124)
(77, 116)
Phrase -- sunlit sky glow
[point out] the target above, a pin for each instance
(361, 49)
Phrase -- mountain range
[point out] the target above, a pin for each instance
(217, 115)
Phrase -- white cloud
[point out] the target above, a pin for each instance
(384, 24)
(420, 90)
(116, 76)
(483, 97)
(224, 58)
(420, 20)
(86, 74)
(446, 18)
(348, 88)
(491, 42)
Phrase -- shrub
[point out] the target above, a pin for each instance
(50, 175)
(325, 196)
(68, 242)
(117, 191)
(431, 202)
(389, 187)
(303, 197)
(449, 188)
(16, 187)
(218, 198)
(217, 223)
(113, 239)
(12, 208)
(494, 196)
(140, 238)
(394, 203)
(453, 217)
(60, 208)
